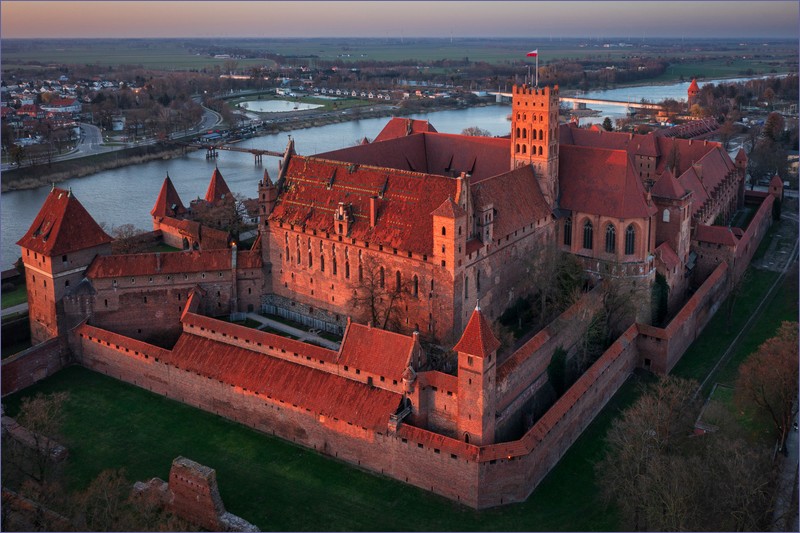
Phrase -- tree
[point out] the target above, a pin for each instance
(662, 478)
(607, 125)
(125, 238)
(377, 298)
(475, 131)
(768, 382)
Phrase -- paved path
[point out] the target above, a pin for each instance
(304, 336)
(14, 309)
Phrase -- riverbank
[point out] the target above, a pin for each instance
(32, 177)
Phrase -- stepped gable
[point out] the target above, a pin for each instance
(114, 266)
(403, 127)
(668, 187)
(516, 197)
(601, 182)
(62, 226)
(443, 154)
(376, 351)
(217, 188)
(299, 387)
(477, 339)
(449, 209)
(168, 203)
(314, 187)
(715, 235)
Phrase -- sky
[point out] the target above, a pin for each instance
(595, 19)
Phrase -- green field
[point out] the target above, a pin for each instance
(18, 296)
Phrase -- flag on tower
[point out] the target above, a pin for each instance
(533, 53)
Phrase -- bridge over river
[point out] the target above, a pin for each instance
(580, 103)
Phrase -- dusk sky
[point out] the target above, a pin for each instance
(26, 19)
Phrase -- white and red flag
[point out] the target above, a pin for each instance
(533, 53)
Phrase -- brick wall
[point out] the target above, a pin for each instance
(34, 364)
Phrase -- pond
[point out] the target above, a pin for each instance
(276, 106)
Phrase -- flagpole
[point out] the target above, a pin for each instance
(537, 68)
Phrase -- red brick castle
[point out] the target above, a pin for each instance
(408, 232)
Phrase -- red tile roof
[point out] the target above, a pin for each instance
(741, 156)
(296, 385)
(375, 351)
(440, 380)
(668, 187)
(168, 203)
(437, 441)
(477, 339)
(217, 188)
(691, 182)
(314, 188)
(693, 87)
(62, 226)
(715, 235)
(449, 209)
(114, 266)
(433, 153)
(516, 197)
(402, 127)
(121, 340)
(601, 182)
(667, 255)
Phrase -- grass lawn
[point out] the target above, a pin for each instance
(161, 247)
(15, 297)
(273, 483)
(703, 354)
(11, 349)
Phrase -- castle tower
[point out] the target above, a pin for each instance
(168, 203)
(449, 234)
(267, 197)
(62, 241)
(674, 214)
(534, 135)
(477, 364)
(217, 188)
(692, 93)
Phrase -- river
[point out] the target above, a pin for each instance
(126, 195)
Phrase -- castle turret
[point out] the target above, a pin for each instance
(62, 241)
(692, 93)
(168, 203)
(267, 197)
(449, 234)
(477, 363)
(217, 188)
(534, 135)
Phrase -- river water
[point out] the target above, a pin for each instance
(126, 195)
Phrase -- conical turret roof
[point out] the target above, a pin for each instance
(477, 339)
(217, 188)
(168, 203)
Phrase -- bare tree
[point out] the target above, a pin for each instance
(475, 131)
(377, 294)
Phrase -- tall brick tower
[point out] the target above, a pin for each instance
(60, 244)
(692, 93)
(534, 135)
(477, 364)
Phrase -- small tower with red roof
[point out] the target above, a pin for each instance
(477, 364)
(693, 92)
(168, 203)
(62, 241)
(217, 188)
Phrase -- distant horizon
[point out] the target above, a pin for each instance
(28, 19)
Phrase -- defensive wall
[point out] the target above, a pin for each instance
(34, 364)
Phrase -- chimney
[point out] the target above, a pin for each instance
(373, 211)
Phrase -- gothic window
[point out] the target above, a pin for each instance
(533, 134)
(310, 260)
(321, 263)
(466, 288)
(588, 235)
(431, 285)
(517, 148)
(333, 263)
(568, 231)
(525, 133)
(541, 134)
(444, 231)
(517, 132)
(287, 253)
(415, 286)
(382, 278)
(630, 239)
(665, 215)
(360, 272)
(347, 269)
(611, 239)
(397, 281)
(478, 282)
(540, 150)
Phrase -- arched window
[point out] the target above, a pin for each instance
(588, 235)
(415, 286)
(517, 132)
(524, 149)
(397, 281)
(382, 278)
(568, 231)
(347, 269)
(321, 263)
(444, 231)
(540, 150)
(524, 133)
(665, 215)
(630, 240)
(360, 272)
(517, 148)
(333, 262)
(611, 239)
(310, 260)
(533, 134)
(541, 134)
(287, 254)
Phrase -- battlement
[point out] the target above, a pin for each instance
(527, 90)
